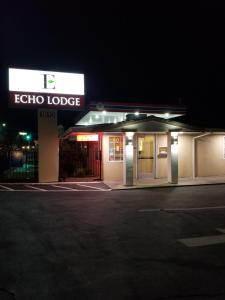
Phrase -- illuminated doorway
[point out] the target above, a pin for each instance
(145, 156)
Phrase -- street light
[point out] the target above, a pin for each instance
(23, 133)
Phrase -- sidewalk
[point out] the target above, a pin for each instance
(152, 183)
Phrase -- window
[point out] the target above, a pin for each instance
(224, 147)
(115, 148)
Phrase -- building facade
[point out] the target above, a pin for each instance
(141, 145)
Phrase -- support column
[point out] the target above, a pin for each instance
(128, 158)
(172, 156)
(48, 146)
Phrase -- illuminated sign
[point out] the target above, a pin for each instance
(87, 138)
(46, 89)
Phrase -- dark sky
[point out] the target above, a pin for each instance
(150, 54)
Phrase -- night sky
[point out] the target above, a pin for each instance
(131, 53)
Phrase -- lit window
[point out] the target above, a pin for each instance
(115, 148)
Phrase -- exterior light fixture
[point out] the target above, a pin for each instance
(130, 135)
(137, 113)
(174, 142)
(174, 134)
(167, 115)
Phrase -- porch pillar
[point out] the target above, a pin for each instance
(172, 156)
(128, 158)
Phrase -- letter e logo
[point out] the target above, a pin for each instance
(49, 81)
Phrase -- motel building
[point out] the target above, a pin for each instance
(118, 143)
(127, 144)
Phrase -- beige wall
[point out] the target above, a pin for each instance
(48, 146)
(161, 162)
(185, 155)
(112, 171)
(209, 156)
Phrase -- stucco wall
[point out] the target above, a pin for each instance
(185, 155)
(112, 171)
(161, 163)
(209, 156)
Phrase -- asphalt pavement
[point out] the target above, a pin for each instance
(164, 243)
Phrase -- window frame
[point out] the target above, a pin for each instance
(224, 147)
(122, 153)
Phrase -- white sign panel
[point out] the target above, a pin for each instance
(35, 89)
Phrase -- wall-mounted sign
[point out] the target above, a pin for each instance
(45, 89)
(87, 137)
(162, 153)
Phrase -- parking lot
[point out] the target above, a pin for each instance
(158, 244)
(57, 187)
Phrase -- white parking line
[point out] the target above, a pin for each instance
(35, 188)
(203, 241)
(64, 187)
(6, 188)
(93, 187)
(180, 209)
(195, 208)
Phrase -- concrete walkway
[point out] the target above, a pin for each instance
(151, 183)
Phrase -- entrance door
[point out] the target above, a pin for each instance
(145, 156)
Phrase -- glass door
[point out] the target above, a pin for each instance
(145, 156)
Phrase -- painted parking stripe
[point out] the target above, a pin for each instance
(93, 187)
(194, 208)
(36, 188)
(64, 187)
(6, 188)
(180, 209)
(203, 241)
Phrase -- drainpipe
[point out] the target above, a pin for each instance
(193, 152)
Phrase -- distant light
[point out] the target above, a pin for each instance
(137, 113)
(22, 133)
(28, 147)
(28, 137)
(23, 147)
(96, 116)
(3, 124)
(167, 115)
(104, 112)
